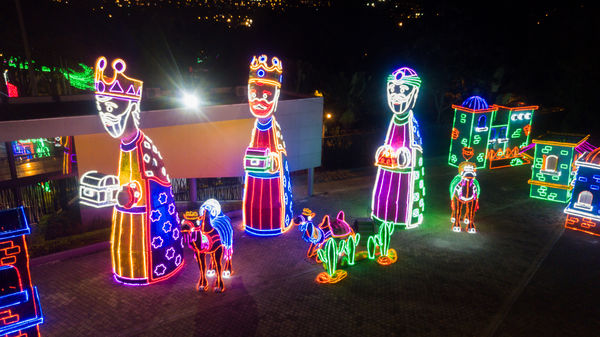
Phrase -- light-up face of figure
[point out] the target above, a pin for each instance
(115, 113)
(401, 96)
(263, 98)
(468, 171)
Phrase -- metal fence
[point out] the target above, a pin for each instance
(222, 189)
(41, 198)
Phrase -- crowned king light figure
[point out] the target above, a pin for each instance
(399, 186)
(145, 241)
(267, 189)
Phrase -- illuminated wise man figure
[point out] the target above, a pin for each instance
(146, 242)
(268, 190)
(399, 187)
(464, 195)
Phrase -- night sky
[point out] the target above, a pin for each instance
(537, 53)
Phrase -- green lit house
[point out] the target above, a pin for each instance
(553, 171)
(493, 136)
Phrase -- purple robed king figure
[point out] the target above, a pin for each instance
(399, 187)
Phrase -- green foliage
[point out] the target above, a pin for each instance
(381, 240)
(59, 224)
(83, 80)
(63, 230)
(43, 247)
(346, 96)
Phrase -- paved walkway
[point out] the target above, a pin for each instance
(519, 276)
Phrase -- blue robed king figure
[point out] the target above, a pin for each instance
(146, 242)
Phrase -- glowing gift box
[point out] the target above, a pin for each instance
(257, 159)
(98, 190)
(20, 310)
(387, 157)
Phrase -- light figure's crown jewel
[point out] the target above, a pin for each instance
(119, 85)
(261, 71)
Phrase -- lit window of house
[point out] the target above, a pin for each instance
(584, 200)
(551, 163)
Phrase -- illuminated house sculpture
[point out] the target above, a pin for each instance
(464, 197)
(146, 243)
(268, 189)
(20, 310)
(552, 172)
(492, 135)
(583, 210)
(398, 195)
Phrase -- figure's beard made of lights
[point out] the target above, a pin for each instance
(115, 125)
(263, 108)
(400, 103)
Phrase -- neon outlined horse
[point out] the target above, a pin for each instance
(212, 234)
(464, 195)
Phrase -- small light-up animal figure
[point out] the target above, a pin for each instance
(317, 236)
(464, 196)
(210, 233)
(311, 234)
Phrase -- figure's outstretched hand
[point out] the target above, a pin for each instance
(274, 162)
(129, 195)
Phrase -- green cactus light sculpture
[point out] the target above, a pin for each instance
(337, 242)
(349, 248)
(329, 256)
(382, 240)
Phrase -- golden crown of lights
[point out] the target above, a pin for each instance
(260, 71)
(191, 215)
(119, 85)
(307, 212)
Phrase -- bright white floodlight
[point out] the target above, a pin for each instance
(190, 101)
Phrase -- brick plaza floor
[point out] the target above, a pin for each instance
(519, 276)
